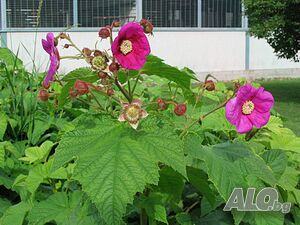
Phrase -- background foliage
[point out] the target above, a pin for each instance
(277, 21)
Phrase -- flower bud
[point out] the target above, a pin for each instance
(162, 105)
(180, 109)
(63, 36)
(102, 75)
(104, 32)
(237, 85)
(114, 67)
(44, 95)
(87, 52)
(209, 85)
(73, 93)
(46, 85)
(55, 42)
(110, 91)
(116, 23)
(98, 53)
(81, 87)
(147, 25)
(66, 46)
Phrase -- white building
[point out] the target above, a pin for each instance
(209, 36)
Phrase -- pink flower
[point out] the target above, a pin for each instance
(131, 46)
(251, 107)
(49, 47)
(132, 113)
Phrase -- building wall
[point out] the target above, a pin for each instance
(204, 51)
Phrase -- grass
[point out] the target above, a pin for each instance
(287, 100)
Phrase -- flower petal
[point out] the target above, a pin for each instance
(144, 114)
(263, 101)
(121, 118)
(259, 119)
(232, 111)
(244, 125)
(134, 125)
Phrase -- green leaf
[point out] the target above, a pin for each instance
(118, 160)
(276, 160)
(184, 219)
(153, 204)
(263, 218)
(37, 154)
(171, 183)
(3, 124)
(9, 58)
(217, 122)
(4, 205)
(15, 214)
(285, 139)
(199, 179)
(232, 165)
(38, 175)
(85, 74)
(61, 208)
(2, 156)
(156, 66)
(40, 127)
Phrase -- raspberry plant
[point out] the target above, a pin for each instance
(130, 139)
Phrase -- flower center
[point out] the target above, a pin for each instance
(126, 47)
(133, 113)
(248, 107)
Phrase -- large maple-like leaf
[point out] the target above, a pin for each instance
(114, 161)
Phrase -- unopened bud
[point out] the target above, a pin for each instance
(87, 52)
(102, 75)
(161, 104)
(44, 95)
(63, 36)
(110, 91)
(147, 25)
(104, 32)
(81, 87)
(116, 23)
(180, 109)
(209, 85)
(114, 67)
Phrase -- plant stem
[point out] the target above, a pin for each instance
(143, 217)
(100, 106)
(124, 92)
(135, 84)
(201, 118)
(71, 57)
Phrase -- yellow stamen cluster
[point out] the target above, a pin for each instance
(126, 47)
(248, 107)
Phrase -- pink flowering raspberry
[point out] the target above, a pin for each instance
(49, 47)
(251, 107)
(132, 113)
(131, 46)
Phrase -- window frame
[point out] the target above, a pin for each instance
(139, 13)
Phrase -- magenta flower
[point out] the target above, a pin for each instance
(49, 47)
(251, 107)
(131, 46)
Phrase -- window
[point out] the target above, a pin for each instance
(98, 13)
(171, 13)
(221, 13)
(24, 13)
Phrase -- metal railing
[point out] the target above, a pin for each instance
(85, 15)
